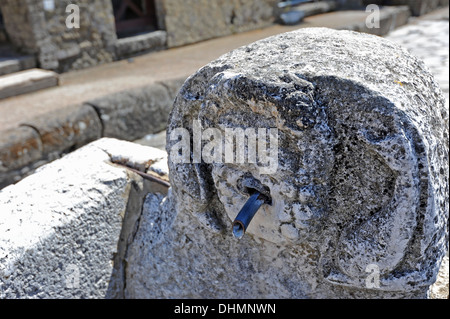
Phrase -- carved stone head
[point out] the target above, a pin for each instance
(361, 153)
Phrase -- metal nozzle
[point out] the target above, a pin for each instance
(247, 213)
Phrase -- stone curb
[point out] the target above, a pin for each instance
(67, 129)
(126, 115)
(132, 114)
(129, 114)
(65, 230)
(17, 64)
(390, 19)
(419, 7)
(144, 43)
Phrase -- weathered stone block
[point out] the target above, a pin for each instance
(43, 31)
(313, 8)
(67, 129)
(19, 148)
(358, 201)
(9, 66)
(173, 86)
(15, 13)
(131, 114)
(391, 17)
(197, 20)
(152, 41)
(26, 82)
(64, 230)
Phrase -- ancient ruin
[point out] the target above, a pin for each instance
(361, 182)
(356, 208)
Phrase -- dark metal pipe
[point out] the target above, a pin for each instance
(247, 213)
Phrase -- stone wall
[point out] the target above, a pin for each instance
(197, 20)
(16, 14)
(43, 32)
(91, 44)
(361, 180)
(32, 29)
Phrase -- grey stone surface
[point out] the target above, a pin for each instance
(418, 7)
(26, 82)
(65, 229)
(313, 8)
(20, 148)
(8, 66)
(361, 182)
(157, 140)
(151, 41)
(429, 41)
(134, 113)
(391, 17)
(197, 20)
(67, 129)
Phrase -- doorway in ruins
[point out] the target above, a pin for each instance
(3, 36)
(134, 17)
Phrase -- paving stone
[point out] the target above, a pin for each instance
(151, 41)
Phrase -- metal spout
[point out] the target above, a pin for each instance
(247, 213)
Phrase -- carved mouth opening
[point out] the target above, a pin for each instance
(250, 185)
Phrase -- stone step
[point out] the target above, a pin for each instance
(15, 64)
(26, 81)
(138, 44)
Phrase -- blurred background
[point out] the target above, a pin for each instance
(42, 32)
(75, 71)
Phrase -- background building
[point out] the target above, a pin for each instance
(113, 29)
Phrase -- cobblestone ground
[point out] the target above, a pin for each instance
(429, 40)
